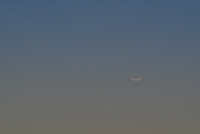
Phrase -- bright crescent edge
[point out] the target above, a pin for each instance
(136, 79)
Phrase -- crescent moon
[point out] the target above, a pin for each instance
(136, 79)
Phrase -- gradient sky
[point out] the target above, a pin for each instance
(66, 67)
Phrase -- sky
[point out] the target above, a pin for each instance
(66, 67)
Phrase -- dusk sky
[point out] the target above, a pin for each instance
(66, 67)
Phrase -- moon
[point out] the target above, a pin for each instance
(136, 79)
(136, 74)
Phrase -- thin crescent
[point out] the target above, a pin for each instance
(136, 79)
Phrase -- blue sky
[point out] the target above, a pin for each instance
(69, 63)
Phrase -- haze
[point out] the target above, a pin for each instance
(65, 67)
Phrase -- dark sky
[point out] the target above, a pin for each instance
(66, 66)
